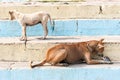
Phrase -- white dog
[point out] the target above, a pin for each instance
(29, 20)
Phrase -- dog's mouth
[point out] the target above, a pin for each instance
(100, 54)
(12, 18)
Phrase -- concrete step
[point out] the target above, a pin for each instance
(42, 0)
(22, 71)
(14, 50)
(71, 30)
(60, 0)
(63, 10)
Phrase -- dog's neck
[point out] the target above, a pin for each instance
(89, 48)
(18, 15)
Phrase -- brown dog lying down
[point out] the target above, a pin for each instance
(29, 20)
(74, 53)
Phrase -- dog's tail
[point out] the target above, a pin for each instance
(37, 65)
(51, 22)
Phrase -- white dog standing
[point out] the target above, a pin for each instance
(30, 20)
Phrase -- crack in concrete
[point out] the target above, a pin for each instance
(53, 25)
(10, 66)
(25, 44)
(77, 25)
(100, 10)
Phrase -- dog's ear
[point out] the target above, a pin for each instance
(100, 44)
(12, 17)
(10, 12)
(101, 40)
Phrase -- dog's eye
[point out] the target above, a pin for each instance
(100, 46)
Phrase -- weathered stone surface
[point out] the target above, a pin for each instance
(63, 10)
(14, 50)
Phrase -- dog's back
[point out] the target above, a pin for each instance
(74, 52)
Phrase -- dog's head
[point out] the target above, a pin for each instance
(12, 14)
(96, 46)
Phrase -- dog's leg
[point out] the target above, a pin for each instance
(62, 64)
(88, 59)
(44, 24)
(91, 61)
(61, 55)
(45, 30)
(23, 38)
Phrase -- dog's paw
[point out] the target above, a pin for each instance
(23, 39)
(30, 63)
(65, 64)
(42, 38)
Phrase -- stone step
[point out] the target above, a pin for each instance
(22, 71)
(59, 0)
(14, 50)
(63, 10)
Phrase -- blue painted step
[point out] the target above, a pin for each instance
(82, 72)
(72, 27)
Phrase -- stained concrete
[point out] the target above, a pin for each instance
(14, 50)
(63, 10)
(22, 71)
(69, 27)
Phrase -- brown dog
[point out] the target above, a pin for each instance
(29, 20)
(74, 53)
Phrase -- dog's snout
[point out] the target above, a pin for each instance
(101, 55)
(9, 12)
